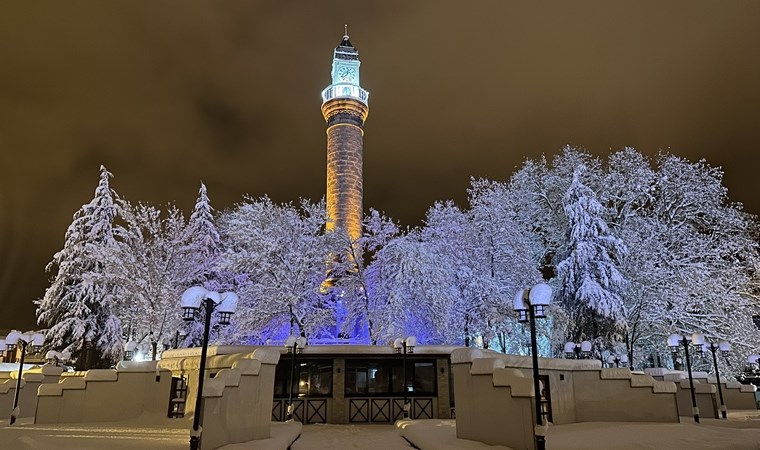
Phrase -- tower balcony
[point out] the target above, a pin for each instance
(345, 90)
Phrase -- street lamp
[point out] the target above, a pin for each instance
(578, 351)
(752, 363)
(617, 360)
(13, 340)
(52, 357)
(403, 347)
(129, 350)
(674, 342)
(193, 300)
(698, 339)
(529, 305)
(294, 346)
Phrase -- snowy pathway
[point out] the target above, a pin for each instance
(112, 436)
(339, 437)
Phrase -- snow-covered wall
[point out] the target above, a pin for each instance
(106, 395)
(735, 395)
(238, 401)
(493, 389)
(30, 382)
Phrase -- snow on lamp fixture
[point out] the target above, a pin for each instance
(129, 350)
(409, 342)
(227, 307)
(52, 357)
(12, 340)
(578, 351)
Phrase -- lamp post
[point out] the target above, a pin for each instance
(578, 351)
(193, 299)
(531, 304)
(294, 346)
(153, 346)
(674, 342)
(13, 340)
(698, 339)
(404, 346)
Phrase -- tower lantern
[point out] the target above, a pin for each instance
(345, 108)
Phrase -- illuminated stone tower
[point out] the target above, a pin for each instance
(344, 107)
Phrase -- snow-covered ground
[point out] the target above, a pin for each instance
(740, 432)
(145, 433)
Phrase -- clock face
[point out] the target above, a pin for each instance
(347, 73)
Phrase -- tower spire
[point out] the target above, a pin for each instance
(345, 31)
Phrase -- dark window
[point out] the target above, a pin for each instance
(385, 377)
(312, 378)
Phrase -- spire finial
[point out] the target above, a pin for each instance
(345, 31)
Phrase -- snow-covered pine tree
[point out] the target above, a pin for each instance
(206, 245)
(78, 306)
(204, 252)
(589, 276)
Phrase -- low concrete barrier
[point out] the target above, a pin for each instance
(487, 393)
(735, 395)
(492, 390)
(105, 395)
(238, 401)
(31, 380)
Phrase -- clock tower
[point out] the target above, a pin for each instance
(345, 108)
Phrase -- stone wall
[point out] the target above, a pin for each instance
(344, 178)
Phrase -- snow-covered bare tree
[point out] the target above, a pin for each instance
(79, 305)
(283, 251)
(150, 265)
(511, 257)
(348, 269)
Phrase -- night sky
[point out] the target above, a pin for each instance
(168, 93)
